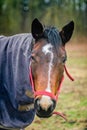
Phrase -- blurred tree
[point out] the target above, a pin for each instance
(16, 15)
(24, 13)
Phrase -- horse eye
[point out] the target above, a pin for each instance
(33, 58)
(64, 59)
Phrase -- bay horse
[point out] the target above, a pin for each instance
(31, 72)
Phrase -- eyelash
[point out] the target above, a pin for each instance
(64, 59)
(33, 59)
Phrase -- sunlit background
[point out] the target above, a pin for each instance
(16, 17)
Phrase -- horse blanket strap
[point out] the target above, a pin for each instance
(55, 97)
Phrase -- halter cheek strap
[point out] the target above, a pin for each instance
(55, 97)
(40, 93)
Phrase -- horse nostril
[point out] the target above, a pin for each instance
(37, 104)
(44, 111)
(52, 107)
(54, 104)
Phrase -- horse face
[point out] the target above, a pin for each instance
(47, 71)
(47, 68)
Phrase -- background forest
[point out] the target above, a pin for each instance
(16, 15)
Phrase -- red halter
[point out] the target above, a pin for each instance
(55, 97)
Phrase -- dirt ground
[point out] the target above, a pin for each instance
(73, 97)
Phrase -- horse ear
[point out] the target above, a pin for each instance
(66, 32)
(36, 29)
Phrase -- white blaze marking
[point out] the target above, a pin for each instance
(47, 49)
(46, 101)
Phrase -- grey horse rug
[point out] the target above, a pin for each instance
(16, 100)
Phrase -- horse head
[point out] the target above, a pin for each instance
(47, 64)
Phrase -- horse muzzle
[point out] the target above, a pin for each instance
(44, 109)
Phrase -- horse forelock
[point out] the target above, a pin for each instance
(53, 37)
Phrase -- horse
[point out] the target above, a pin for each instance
(31, 73)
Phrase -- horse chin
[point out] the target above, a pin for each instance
(43, 116)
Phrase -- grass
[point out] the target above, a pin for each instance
(73, 97)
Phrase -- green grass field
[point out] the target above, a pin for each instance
(73, 97)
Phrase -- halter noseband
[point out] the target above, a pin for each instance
(55, 97)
